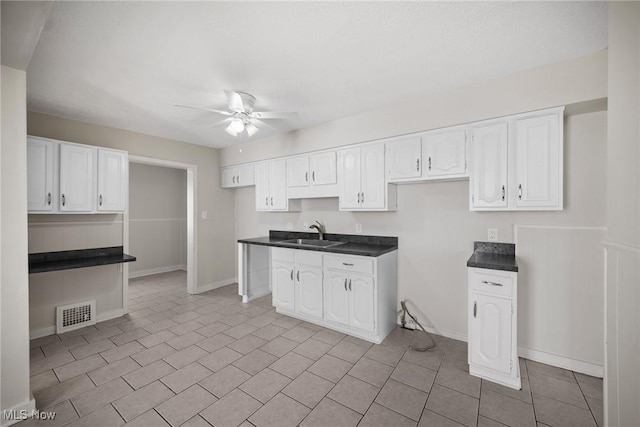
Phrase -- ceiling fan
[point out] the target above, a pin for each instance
(241, 117)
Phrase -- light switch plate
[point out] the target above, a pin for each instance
(204, 215)
(305, 226)
(492, 234)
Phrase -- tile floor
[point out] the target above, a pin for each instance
(208, 359)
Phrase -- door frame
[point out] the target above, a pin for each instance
(192, 223)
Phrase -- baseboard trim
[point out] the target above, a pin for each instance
(215, 285)
(27, 407)
(157, 270)
(100, 317)
(562, 362)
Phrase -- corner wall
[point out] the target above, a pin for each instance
(14, 297)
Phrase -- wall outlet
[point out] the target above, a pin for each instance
(203, 215)
(305, 226)
(492, 234)
(358, 228)
(289, 226)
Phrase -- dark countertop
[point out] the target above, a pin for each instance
(67, 260)
(372, 246)
(494, 256)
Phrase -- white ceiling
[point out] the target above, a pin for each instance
(123, 64)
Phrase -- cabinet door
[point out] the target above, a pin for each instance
(308, 290)
(228, 177)
(539, 161)
(403, 158)
(261, 171)
(489, 168)
(282, 285)
(278, 185)
(445, 154)
(490, 332)
(113, 180)
(336, 297)
(40, 175)
(323, 168)
(373, 180)
(77, 178)
(361, 302)
(245, 175)
(298, 172)
(349, 178)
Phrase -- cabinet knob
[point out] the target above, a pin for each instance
(298, 276)
(519, 191)
(475, 308)
(345, 283)
(313, 176)
(292, 275)
(349, 284)
(429, 162)
(100, 200)
(347, 264)
(418, 165)
(272, 201)
(266, 201)
(64, 200)
(233, 179)
(503, 193)
(49, 199)
(306, 176)
(363, 197)
(491, 283)
(237, 179)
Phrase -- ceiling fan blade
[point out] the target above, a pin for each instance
(211, 110)
(235, 101)
(275, 115)
(220, 123)
(261, 123)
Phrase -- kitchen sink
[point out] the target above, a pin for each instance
(312, 242)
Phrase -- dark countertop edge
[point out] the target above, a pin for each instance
(351, 238)
(493, 261)
(375, 251)
(66, 260)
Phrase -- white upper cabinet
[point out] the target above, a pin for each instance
(237, 176)
(271, 187)
(77, 178)
(489, 166)
(323, 168)
(361, 179)
(539, 162)
(113, 180)
(298, 171)
(517, 163)
(445, 154)
(40, 175)
(404, 159)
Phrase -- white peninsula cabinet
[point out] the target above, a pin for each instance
(351, 294)
(517, 163)
(65, 177)
(361, 180)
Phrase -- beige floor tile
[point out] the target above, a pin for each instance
(113, 370)
(427, 359)
(59, 346)
(453, 405)
(459, 380)
(556, 413)
(47, 363)
(524, 394)
(506, 410)
(184, 378)
(186, 327)
(373, 372)
(185, 405)
(198, 421)
(65, 413)
(379, 416)
(279, 346)
(247, 344)
(348, 351)
(122, 351)
(213, 328)
(43, 380)
(216, 342)
(564, 391)
(416, 376)
(269, 332)
(291, 364)
(231, 410)
(488, 422)
(255, 361)
(234, 319)
(590, 386)
(148, 374)
(312, 349)
(185, 340)
(152, 354)
(186, 356)
(354, 393)
(331, 413)
(264, 385)
(550, 371)
(225, 380)
(403, 399)
(385, 353)
(95, 398)
(148, 419)
(220, 358)
(298, 334)
(430, 419)
(102, 334)
(93, 348)
(330, 368)
(286, 322)
(42, 341)
(597, 409)
(308, 389)
(329, 336)
(129, 336)
(60, 392)
(140, 401)
(241, 330)
(281, 411)
(79, 367)
(157, 338)
(103, 417)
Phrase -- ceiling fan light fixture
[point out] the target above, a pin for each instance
(251, 129)
(231, 131)
(237, 125)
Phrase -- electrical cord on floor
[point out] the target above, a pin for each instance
(403, 323)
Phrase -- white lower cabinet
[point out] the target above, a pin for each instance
(352, 294)
(493, 343)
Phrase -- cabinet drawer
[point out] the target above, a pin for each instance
(280, 254)
(308, 258)
(356, 264)
(491, 282)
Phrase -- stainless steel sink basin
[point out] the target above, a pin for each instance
(312, 242)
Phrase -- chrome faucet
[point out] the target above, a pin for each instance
(320, 227)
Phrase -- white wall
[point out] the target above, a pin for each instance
(622, 242)
(436, 230)
(157, 219)
(14, 321)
